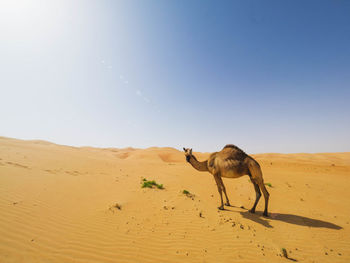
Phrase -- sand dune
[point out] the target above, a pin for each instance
(69, 204)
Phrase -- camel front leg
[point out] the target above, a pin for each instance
(218, 184)
(224, 189)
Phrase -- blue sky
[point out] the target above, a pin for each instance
(268, 76)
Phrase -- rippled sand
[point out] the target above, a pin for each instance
(67, 204)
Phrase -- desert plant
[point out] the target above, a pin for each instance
(185, 192)
(151, 184)
(188, 194)
(284, 252)
(160, 186)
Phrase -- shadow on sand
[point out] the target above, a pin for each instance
(289, 218)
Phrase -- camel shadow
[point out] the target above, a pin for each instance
(254, 217)
(289, 218)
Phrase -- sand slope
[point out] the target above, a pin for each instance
(57, 204)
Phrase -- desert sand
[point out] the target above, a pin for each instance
(83, 204)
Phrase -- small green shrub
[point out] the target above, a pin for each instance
(284, 252)
(151, 184)
(185, 192)
(188, 194)
(268, 184)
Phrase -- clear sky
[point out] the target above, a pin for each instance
(268, 76)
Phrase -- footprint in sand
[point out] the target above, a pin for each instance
(115, 208)
(74, 173)
(50, 171)
(17, 165)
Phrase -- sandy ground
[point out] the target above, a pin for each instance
(58, 204)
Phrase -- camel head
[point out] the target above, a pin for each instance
(188, 153)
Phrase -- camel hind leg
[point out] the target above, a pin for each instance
(266, 196)
(257, 198)
(256, 176)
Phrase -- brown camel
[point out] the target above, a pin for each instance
(231, 162)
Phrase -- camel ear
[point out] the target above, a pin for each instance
(191, 151)
(184, 149)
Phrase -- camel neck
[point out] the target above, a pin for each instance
(200, 166)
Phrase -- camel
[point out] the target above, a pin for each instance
(231, 162)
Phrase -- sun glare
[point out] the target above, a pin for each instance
(25, 20)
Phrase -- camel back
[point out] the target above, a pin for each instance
(235, 152)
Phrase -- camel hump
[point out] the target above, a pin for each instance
(233, 147)
(232, 152)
